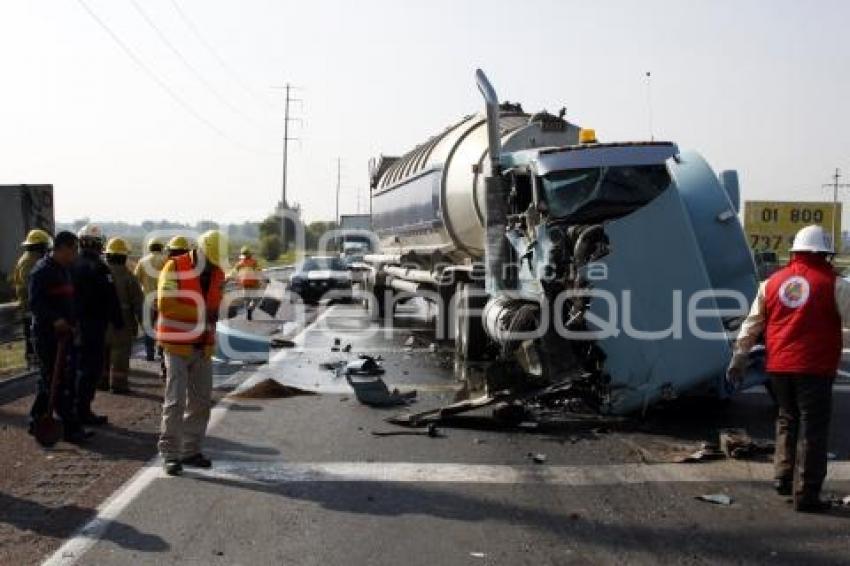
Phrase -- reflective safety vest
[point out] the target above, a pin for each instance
(802, 323)
(178, 327)
(247, 275)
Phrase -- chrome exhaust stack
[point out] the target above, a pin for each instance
(495, 209)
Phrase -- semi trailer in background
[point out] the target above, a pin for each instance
(563, 260)
(22, 208)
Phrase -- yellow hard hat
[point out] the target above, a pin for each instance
(178, 243)
(154, 243)
(37, 237)
(245, 250)
(117, 246)
(213, 244)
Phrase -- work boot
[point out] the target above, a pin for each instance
(198, 461)
(172, 467)
(92, 419)
(77, 435)
(810, 503)
(783, 486)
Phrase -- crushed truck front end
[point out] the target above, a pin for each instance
(633, 265)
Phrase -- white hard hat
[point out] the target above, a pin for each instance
(90, 231)
(812, 239)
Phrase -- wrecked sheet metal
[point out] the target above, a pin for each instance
(644, 276)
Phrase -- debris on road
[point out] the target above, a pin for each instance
(478, 555)
(538, 458)
(706, 453)
(346, 348)
(281, 343)
(432, 432)
(269, 389)
(715, 498)
(332, 366)
(364, 365)
(335, 347)
(737, 443)
(410, 342)
(374, 392)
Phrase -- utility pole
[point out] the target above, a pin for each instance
(287, 88)
(835, 185)
(649, 104)
(336, 218)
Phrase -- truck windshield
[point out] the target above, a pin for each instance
(323, 264)
(601, 193)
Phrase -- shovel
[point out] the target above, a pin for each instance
(46, 429)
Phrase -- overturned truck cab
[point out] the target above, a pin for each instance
(614, 273)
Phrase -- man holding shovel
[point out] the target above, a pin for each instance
(52, 303)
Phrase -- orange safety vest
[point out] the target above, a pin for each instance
(201, 329)
(246, 273)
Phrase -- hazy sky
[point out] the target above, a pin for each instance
(761, 86)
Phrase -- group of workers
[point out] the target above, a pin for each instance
(77, 290)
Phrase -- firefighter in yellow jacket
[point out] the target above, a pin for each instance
(249, 279)
(189, 295)
(119, 341)
(147, 272)
(35, 247)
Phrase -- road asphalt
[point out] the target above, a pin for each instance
(303, 480)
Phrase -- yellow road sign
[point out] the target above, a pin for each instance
(771, 225)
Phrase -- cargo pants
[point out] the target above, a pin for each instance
(802, 429)
(186, 407)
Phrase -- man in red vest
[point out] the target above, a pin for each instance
(189, 294)
(800, 310)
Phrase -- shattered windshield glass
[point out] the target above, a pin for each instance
(600, 193)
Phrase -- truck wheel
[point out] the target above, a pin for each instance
(470, 339)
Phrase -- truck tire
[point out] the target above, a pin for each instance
(470, 338)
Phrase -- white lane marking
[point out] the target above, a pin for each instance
(75, 547)
(587, 475)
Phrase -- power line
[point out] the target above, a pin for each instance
(197, 74)
(208, 46)
(161, 83)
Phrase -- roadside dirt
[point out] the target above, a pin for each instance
(47, 494)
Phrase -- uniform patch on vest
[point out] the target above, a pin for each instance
(794, 292)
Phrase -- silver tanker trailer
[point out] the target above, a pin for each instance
(616, 273)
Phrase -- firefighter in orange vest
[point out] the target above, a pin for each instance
(189, 294)
(800, 310)
(249, 278)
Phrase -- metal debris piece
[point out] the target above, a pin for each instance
(435, 415)
(335, 347)
(431, 432)
(281, 343)
(478, 555)
(538, 458)
(374, 392)
(846, 500)
(432, 347)
(410, 342)
(716, 498)
(346, 348)
(737, 443)
(364, 365)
